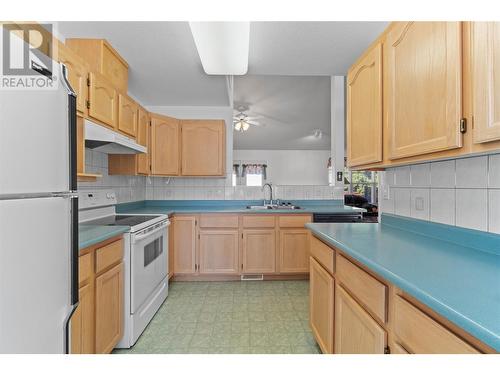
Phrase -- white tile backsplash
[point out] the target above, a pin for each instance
(420, 175)
(494, 211)
(494, 171)
(443, 174)
(402, 176)
(463, 192)
(402, 201)
(472, 172)
(442, 206)
(472, 208)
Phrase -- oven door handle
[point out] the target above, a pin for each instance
(147, 234)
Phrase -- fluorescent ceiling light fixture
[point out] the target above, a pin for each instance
(222, 46)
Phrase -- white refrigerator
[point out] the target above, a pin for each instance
(38, 217)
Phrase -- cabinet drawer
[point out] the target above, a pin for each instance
(108, 255)
(422, 334)
(84, 269)
(324, 254)
(258, 221)
(219, 221)
(369, 291)
(294, 221)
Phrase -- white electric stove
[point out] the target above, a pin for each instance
(145, 258)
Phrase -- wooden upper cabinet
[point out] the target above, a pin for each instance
(364, 109)
(422, 65)
(184, 244)
(143, 138)
(77, 76)
(203, 147)
(102, 58)
(164, 145)
(103, 100)
(218, 251)
(321, 305)
(356, 332)
(485, 61)
(127, 115)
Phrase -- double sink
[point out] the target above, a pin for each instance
(274, 206)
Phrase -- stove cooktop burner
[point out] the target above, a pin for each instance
(126, 220)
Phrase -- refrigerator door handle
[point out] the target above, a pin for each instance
(74, 250)
(67, 336)
(72, 131)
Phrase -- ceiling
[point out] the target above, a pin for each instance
(309, 48)
(288, 109)
(165, 69)
(164, 66)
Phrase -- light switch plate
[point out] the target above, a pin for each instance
(385, 192)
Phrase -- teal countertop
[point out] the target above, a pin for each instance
(200, 206)
(89, 235)
(455, 271)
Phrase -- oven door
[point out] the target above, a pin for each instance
(149, 255)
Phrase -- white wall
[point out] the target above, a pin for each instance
(338, 125)
(290, 167)
(463, 192)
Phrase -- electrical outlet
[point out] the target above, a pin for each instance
(419, 203)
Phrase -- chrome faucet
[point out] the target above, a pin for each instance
(270, 191)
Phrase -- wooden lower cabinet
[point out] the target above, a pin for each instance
(321, 303)
(82, 322)
(356, 332)
(97, 323)
(258, 251)
(184, 244)
(109, 309)
(218, 252)
(294, 250)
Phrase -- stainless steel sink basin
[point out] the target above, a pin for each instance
(273, 207)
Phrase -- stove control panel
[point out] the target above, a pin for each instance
(96, 198)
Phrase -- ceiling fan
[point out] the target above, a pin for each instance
(242, 122)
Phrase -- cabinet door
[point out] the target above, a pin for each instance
(356, 332)
(109, 309)
(184, 244)
(103, 100)
(219, 251)
(486, 80)
(164, 146)
(143, 128)
(423, 87)
(364, 109)
(127, 116)
(321, 304)
(259, 251)
(77, 76)
(203, 147)
(294, 250)
(82, 322)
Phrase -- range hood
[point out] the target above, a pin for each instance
(105, 140)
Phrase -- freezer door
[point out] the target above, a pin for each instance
(35, 274)
(35, 140)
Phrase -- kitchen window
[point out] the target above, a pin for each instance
(249, 174)
(364, 183)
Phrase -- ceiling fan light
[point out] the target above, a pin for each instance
(223, 46)
(245, 126)
(238, 126)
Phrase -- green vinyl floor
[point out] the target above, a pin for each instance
(233, 317)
